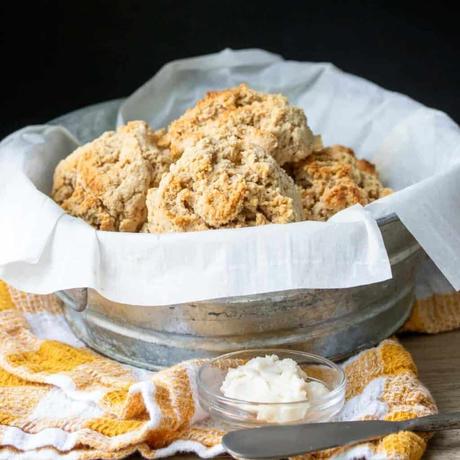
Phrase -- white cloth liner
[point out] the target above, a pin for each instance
(416, 149)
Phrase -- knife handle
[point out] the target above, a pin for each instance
(439, 422)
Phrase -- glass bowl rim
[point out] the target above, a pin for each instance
(325, 400)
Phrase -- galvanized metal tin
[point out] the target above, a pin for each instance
(330, 322)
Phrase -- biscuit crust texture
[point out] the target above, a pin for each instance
(333, 179)
(105, 182)
(243, 106)
(223, 180)
(238, 158)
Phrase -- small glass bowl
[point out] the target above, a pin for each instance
(234, 413)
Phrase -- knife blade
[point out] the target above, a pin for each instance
(280, 441)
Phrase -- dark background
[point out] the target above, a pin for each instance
(57, 56)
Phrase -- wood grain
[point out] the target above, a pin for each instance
(438, 361)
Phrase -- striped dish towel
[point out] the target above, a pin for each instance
(60, 400)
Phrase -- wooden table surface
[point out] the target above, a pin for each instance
(438, 361)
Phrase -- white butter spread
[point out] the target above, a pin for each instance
(272, 380)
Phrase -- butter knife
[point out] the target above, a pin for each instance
(280, 441)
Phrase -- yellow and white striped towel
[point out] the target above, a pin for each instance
(61, 400)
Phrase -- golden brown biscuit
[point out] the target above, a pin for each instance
(333, 179)
(239, 106)
(105, 182)
(153, 145)
(226, 179)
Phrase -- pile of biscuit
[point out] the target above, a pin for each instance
(237, 158)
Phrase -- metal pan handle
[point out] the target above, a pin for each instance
(77, 298)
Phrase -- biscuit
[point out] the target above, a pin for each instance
(105, 182)
(241, 105)
(333, 179)
(225, 179)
